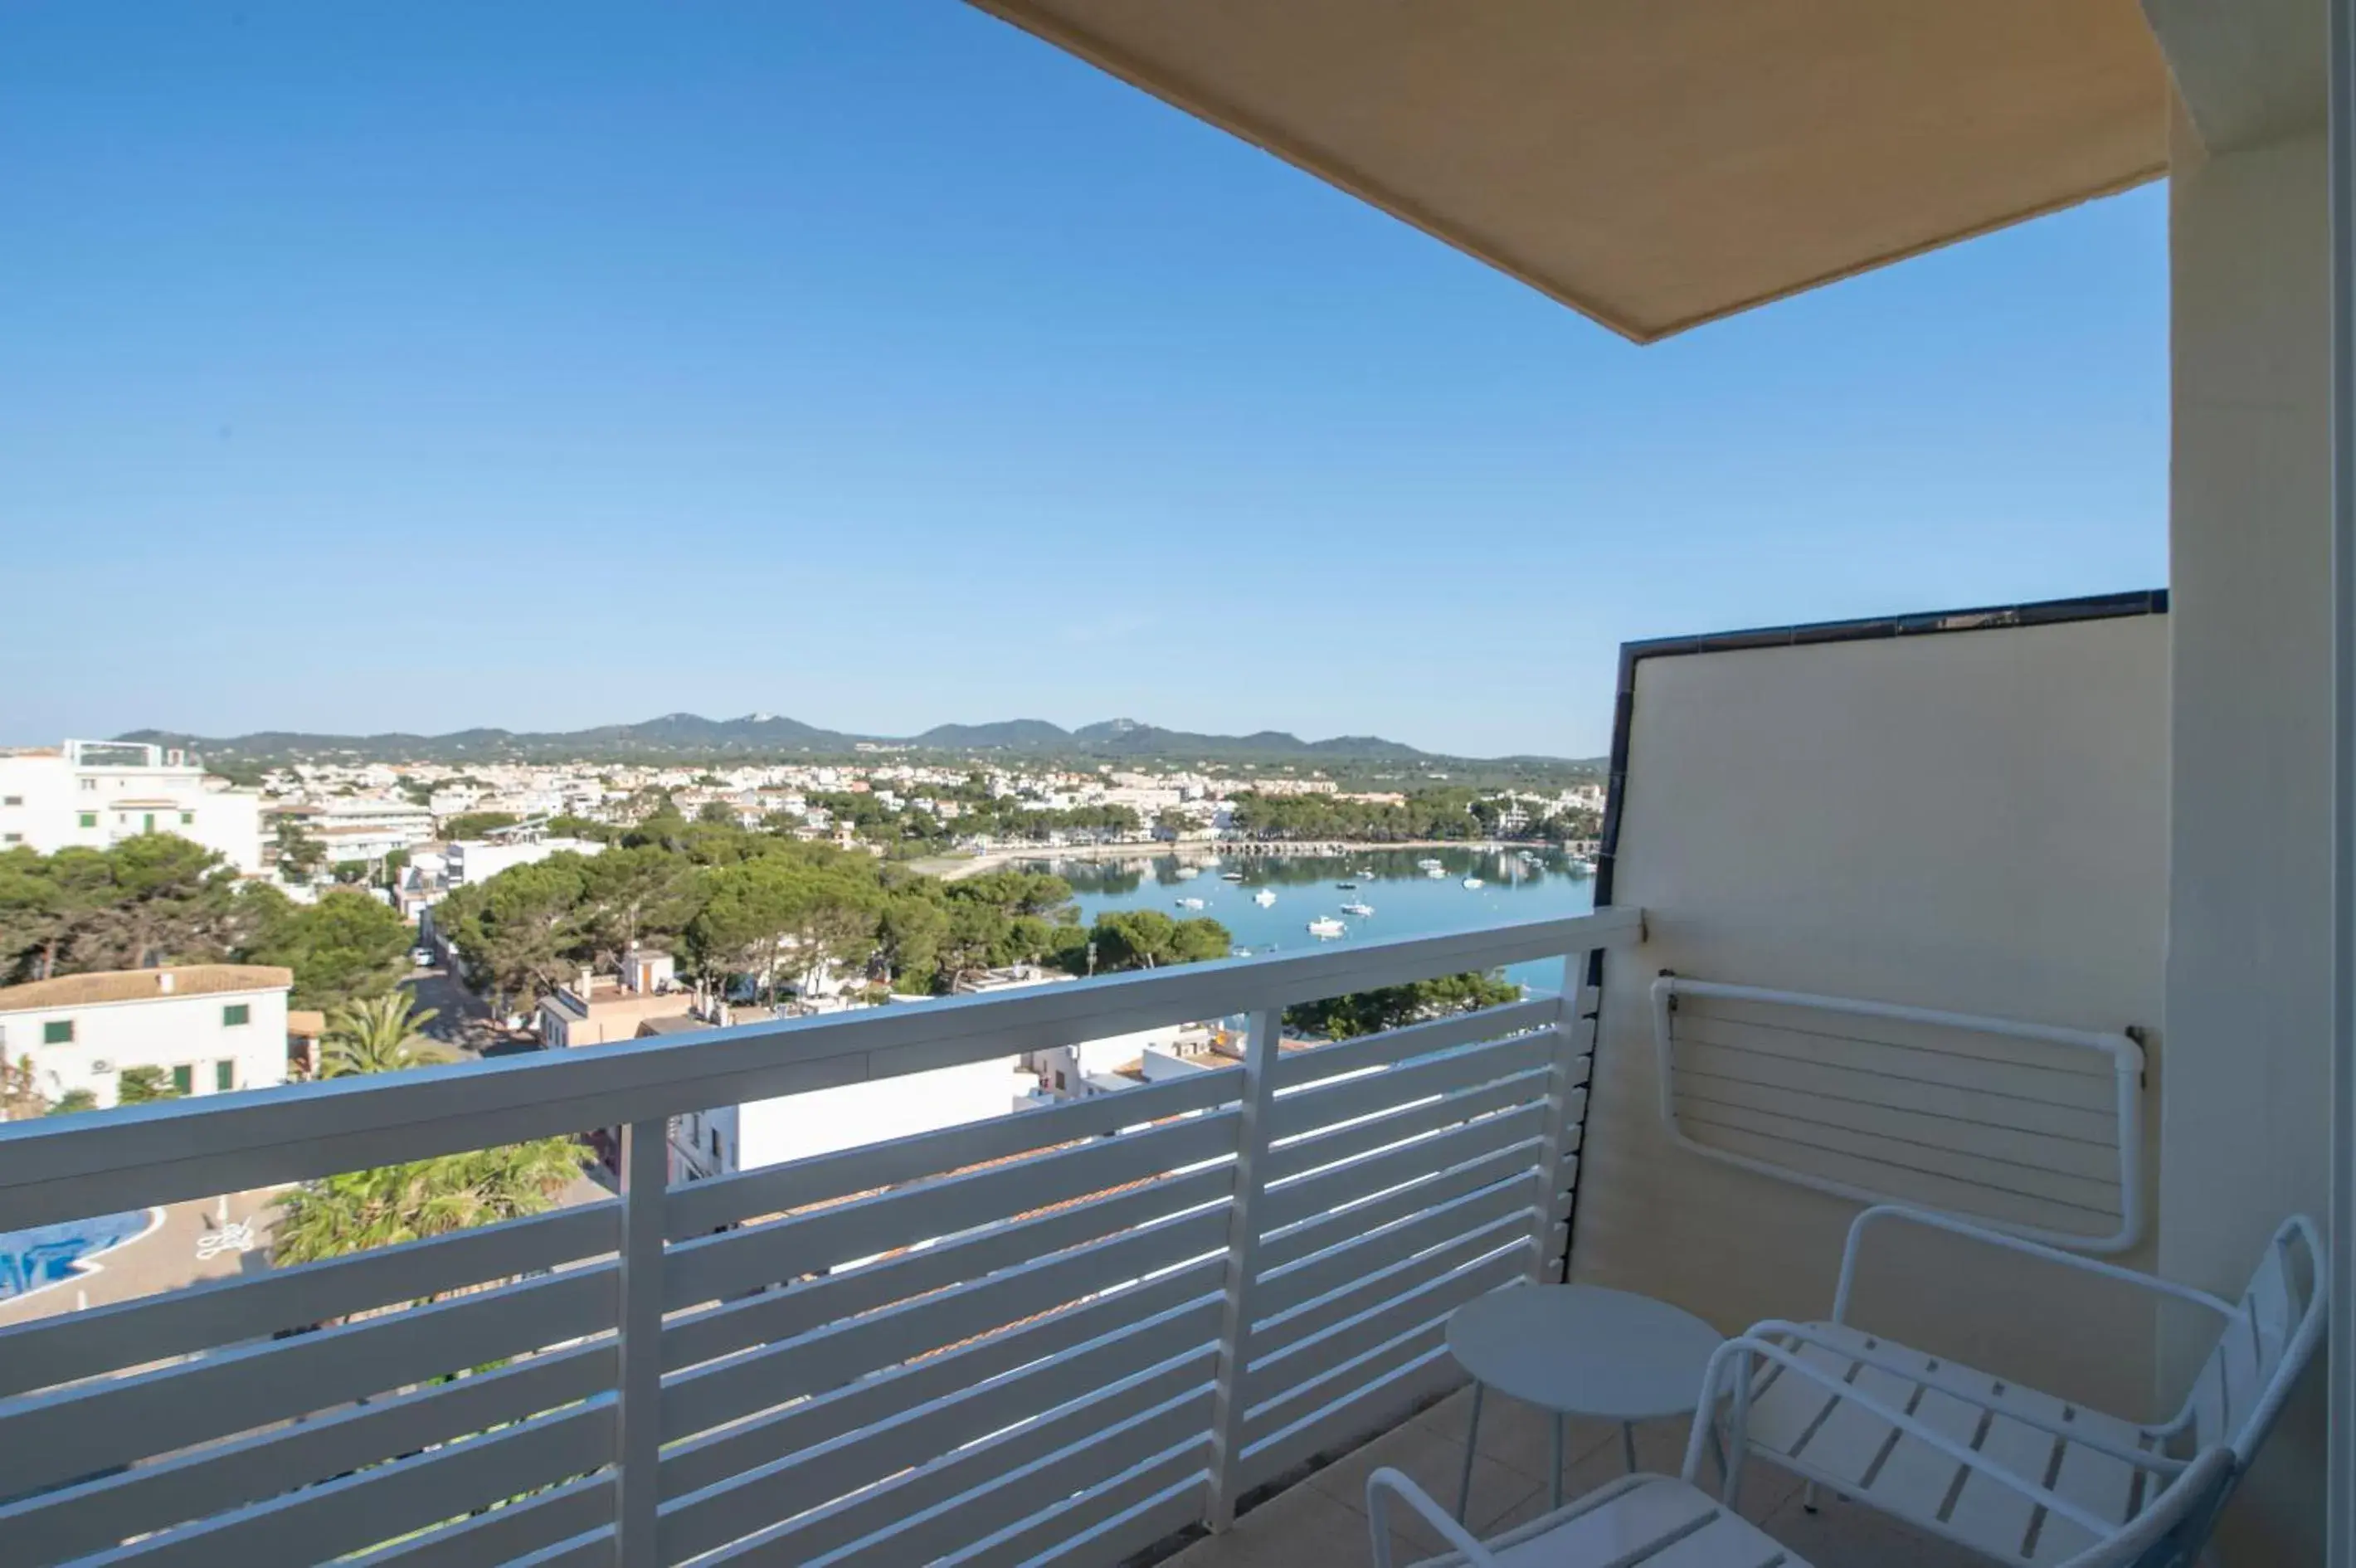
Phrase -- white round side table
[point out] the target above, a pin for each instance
(1609, 1355)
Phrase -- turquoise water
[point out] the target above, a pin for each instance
(50, 1254)
(1406, 902)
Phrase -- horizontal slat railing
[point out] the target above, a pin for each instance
(234, 1143)
(56, 1527)
(49, 1351)
(1046, 1337)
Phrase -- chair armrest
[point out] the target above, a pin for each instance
(1906, 1214)
(1387, 1480)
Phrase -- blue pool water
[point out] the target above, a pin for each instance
(50, 1254)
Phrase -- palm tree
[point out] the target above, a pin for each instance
(143, 1086)
(380, 1035)
(392, 1203)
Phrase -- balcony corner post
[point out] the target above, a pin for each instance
(646, 1176)
(1574, 1041)
(1243, 1248)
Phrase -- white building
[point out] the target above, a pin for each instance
(796, 1126)
(361, 829)
(1106, 1065)
(479, 860)
(208, 1027)
(727, 1138)
(96, 793)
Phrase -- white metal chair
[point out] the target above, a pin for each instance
(1638, 1521)
(2002, 1468)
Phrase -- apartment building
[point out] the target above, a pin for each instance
(479, 860)
(360, 828)
(599, 1009)
(210, 1029)
(97, 793)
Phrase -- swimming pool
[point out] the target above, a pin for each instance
(47, 1255)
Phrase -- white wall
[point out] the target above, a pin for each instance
(1087, 1059)
(796, 1126)
(2249, 975)
(160, 1031)
(479, 860)
(52, 796)
(1970, 820)
(705, 1144)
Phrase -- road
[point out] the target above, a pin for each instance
(463, 1019)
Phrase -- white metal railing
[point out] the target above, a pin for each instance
(1052, 1336)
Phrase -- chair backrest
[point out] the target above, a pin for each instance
(2174, 1526)
(2273, 1333)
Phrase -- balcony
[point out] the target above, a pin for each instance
(1922, 957)
(1059, 1336)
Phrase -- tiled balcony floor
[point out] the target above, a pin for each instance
(1322, 1522)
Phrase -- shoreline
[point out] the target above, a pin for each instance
(1200, 850)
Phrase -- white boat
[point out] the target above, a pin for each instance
(1327, 926)
(1367, 875)
(1435, 872)
(1188, 872)
(1264, 898)
(1360, 911)
(1582, 865)
(1472, 882)
(1190, 903)
(1231, 877)
(1428, 862)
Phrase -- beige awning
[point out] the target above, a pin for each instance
(1656, 164)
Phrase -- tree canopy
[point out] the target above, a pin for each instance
(753, 908)
(153, 900)
(347, 947)
(475, 824)
(1148, 938)
(1395, 1006)
(1440, 813)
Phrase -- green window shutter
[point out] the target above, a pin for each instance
(224, 1075)
(183, 1079)
(236, 1015)
(186, 818)
(88, 819)
(58, 1032)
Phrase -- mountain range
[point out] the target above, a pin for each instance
(691, 737)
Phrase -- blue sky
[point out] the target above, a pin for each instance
(370, 366)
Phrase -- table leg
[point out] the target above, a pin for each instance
(1555, 1427)
(1472, 1446)
(1628, 1444)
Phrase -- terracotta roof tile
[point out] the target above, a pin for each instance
(144, 984)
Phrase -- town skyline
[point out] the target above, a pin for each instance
(764, 733)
